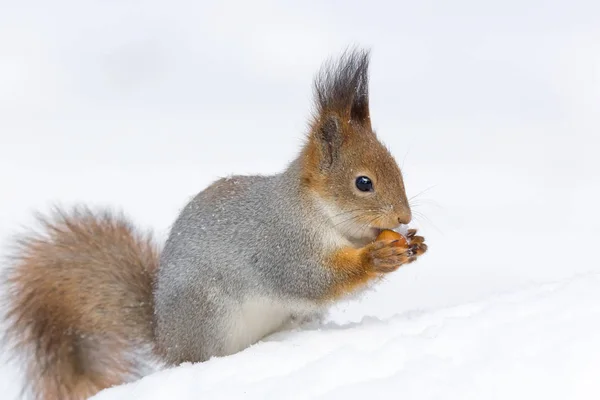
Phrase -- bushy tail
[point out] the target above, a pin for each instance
(79, 304)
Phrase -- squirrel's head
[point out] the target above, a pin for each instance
(356, 180)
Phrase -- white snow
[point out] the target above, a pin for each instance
(490, 107)
(541, 343)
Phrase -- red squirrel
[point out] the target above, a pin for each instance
(93, 303)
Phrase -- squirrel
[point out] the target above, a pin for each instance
(93, 303)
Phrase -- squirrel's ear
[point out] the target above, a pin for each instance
(342, 87)
(329, 137)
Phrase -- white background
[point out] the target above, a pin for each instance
(492, 108)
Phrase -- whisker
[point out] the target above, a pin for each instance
(424, 218)
(354, 219)
(420, 202)
(351, 211)
(404, 158)
(422, 191)
(347, 220)
(366, 225)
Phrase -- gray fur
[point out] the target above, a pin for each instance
(241, 239)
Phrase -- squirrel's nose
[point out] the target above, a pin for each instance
(404, 218)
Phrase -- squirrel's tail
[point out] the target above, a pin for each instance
(79, 304)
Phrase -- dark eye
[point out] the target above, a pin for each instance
(364, 184)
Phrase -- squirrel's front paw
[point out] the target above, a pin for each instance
(416, 242)
(388, 255)
(385, 256)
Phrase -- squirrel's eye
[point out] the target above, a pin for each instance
(364, 184)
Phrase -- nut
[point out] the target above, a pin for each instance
(388, 234)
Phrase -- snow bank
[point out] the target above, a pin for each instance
(538, 343)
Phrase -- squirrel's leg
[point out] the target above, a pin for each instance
(355, 268)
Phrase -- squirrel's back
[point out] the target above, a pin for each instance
(98, 262)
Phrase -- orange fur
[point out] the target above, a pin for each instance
(79, 295)
(352, 271)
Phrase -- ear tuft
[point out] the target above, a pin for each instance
(342, 87)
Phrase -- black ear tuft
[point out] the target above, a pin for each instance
(342, 87)
(330, 137)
